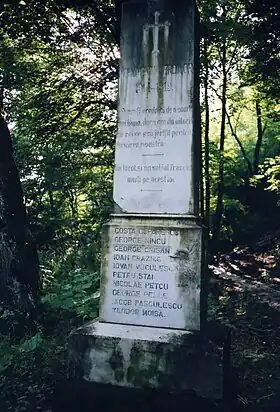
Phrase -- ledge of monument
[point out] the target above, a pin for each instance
(212, 331)
(159, 220)
(134, 332)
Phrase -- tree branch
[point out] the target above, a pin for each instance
(239, 144)
(232, 57)
(110, 105)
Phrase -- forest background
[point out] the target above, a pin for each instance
(58, 102)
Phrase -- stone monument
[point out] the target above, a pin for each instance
(152, 330)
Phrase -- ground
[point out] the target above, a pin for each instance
(245, 295)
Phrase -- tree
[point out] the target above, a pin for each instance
(20, 265)
(264, 66)
(59, 93)
(223, 27)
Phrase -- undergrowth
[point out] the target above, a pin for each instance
(246, 299)
(33, 350)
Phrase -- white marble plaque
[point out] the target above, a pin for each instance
(153, 160)
(152, 277)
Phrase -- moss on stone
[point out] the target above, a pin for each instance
(161, 75)
(117, 363)
(142, 370)
(133, 371)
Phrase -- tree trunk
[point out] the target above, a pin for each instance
(51, 201)
(220, 207)
(243, 151)
(206, 142)
(24, 264)
(259, 137)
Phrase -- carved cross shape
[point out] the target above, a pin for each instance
(155, 27)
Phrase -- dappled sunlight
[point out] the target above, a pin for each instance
(245, 295)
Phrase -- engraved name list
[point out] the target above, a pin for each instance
(142, 286)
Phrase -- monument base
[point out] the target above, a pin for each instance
(175, 361)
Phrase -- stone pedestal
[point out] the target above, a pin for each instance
(175, 361)
(152, 331)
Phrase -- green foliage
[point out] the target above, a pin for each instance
(77, 292)
(9, 354)
(264, 66)
(58, 71)
(29, 369)
(270, 171)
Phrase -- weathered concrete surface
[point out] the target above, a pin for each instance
(156, 163)
(151, 272)
(143, 357)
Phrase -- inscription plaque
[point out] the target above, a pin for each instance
(152, 276)
(153, 159)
